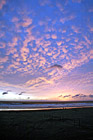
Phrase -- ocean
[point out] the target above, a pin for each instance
(43, 106)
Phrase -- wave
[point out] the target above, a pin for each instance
(43, 106)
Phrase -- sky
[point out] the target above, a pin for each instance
(46, 50)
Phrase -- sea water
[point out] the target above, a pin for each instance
(43, 106)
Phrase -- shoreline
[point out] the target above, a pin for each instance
(37, 109)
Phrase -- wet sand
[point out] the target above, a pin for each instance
(65, 124)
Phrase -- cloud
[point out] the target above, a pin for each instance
(91, 96)
(52, 72)
(6, 92)
(1, 67)
(59, 43)
(2, 3)
(21, 93)
(75, 29)
(3, 59)
(88, 41)
(81, 58)
(55, 66)
(91, 9)
(66, 96)
(60, 6)
(64, 50)
(2, 45)
(82, 96)
(26, 22)
(75, 96)
(77, 1)
(60, 96)
(44, 2)
(67, 18)
(38, 82)
(47, 36)
(79, 95)
(55, 55)
(54, 36)
(15, 19)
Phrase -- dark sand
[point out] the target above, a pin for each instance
(66, 124)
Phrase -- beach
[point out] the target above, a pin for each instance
(57, 124)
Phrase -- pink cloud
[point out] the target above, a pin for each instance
(65, 19)
(90, 28)
(64, 31)
(1, 67)
(62, 20)
(68, 39)
(3, 59)
(55, 55)
(84, 57)
(64, 50)
(54, 36)
(29, 31)
(60, 6)
(2, 45)
(76, 39)
(41, 23)
(26, 22)
(14, 41)
(88, 41)
(52, 72)
(11, 51)
(46, 43)
(77, 1)
(91, 54)
(49, 53)
(47, 36)
(38, 82)
(2, 3)
(15, 55)
(75, 29)
(42, 61)
(59, 43)
(2, 34)
(78, 47)
(15, 19)
(44, 2)
(46, 49)
(12, 66)
(91, 9)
